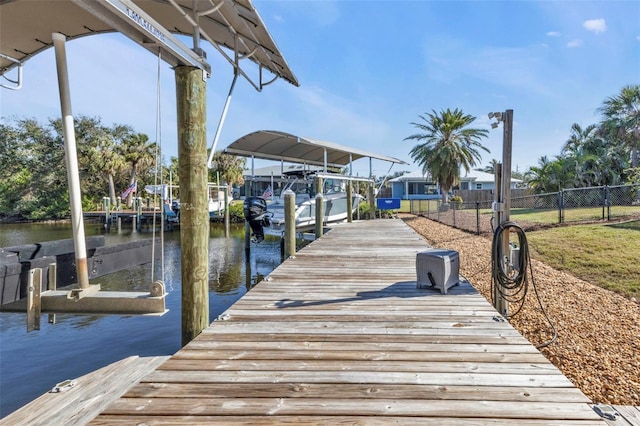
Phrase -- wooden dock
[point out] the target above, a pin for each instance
(341, 335)
(90, 394)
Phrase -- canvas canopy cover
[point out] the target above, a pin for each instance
(275, 145)
(231, 26)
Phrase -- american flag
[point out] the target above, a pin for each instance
(267, 192)
(131, 188)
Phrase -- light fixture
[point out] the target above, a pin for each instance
(497, 116)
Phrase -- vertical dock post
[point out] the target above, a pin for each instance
(319, 214)
(194, 215)
(372, 201)
(247, 227)
(349, 202)
(289, 223)
(138, 205)
(226, 213)
(106, 204)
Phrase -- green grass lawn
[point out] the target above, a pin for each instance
(550, 216)
(604, 254)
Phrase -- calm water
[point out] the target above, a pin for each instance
(31, 364)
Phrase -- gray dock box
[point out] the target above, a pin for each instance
(438, 268)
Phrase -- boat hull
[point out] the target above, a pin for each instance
(335, 211)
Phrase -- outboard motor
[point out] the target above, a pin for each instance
(255, 212)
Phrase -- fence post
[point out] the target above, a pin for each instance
(604, 199)
(478, 217)
(560, 201)
(608, 201)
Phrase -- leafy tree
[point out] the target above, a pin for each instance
(111, 161)
(139, 153)
(229, 168)
(14, 173)
(622, 119)
(34, 181)
(447, 143)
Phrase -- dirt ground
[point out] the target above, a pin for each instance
(598, 343)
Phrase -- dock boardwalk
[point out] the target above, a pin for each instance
(91, 393)
(340, 334)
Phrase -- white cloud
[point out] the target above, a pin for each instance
(553, 34)
(595, 25)
(575, 43)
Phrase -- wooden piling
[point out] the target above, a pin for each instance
(372, 201)
(319, 214)
(227, 220)
(349, 202)
(289, 223)
(247, 227)
(194, 216)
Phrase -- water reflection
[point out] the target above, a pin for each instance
(33, 363)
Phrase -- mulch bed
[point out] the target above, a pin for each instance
(598, 343)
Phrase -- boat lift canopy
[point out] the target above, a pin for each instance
(26, 28)
(275, 145)
(232, 27)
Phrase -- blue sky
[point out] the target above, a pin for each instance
(367, 69)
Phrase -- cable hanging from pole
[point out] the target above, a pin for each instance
(158, 164)
(511, 279)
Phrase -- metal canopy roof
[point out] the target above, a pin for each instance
(274, 145)
(26, 27)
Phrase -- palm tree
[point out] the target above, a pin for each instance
(550, 175)
(491, 168)
(622, 119)
(111, 159)
(580, 155)
(579, 138)
(139, 153)
(229, 167)
(447, 144)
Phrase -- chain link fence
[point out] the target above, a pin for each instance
(602, 203)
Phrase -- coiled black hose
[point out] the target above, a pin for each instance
(512, 283)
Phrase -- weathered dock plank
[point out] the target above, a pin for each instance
(623, 415)
(341, 334)
(84, 401)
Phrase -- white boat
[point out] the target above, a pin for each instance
(215, 200)
(281, 146)
(335, 211)
(272, 221)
